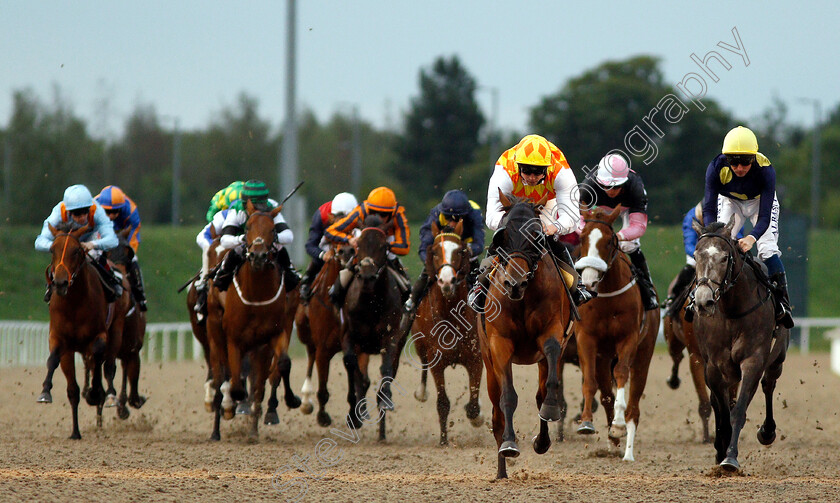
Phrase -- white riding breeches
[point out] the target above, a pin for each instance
(768, 243)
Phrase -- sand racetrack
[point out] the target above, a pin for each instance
(161, 453)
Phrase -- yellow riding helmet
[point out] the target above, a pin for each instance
(740, 140)
(533, 150)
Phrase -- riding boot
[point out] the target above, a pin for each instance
(646, 288)
(228, 267)
(783, 310)
(397, 265)
(135, 278)
(290, 275)
(418, 292)
(112, 282)
(307, 279)
(478, 294)
(200, 307)
(684, 279)
(580, 295)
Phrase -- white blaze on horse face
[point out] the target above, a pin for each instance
(446, 276)
(708, 256)
(590, 276)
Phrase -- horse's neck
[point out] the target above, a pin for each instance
(253, 282)
(618, 274)
(743, 288)
(83, 289)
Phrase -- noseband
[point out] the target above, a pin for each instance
(614, 252)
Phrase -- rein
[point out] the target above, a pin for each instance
(459, 278)
(61, 263)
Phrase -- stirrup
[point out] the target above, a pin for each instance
(409, 305)
(475, 299)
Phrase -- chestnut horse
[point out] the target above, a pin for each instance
(442, 335)
(738, 337)
(250, 317)
(525, 322)
(319, 328)
(679, 335)
(79, 320)
(372, 310)
(613, 326)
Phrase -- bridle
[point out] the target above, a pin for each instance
(728, 281)
(75, 272)
(250, 254)
(368, 261)
(459, 277)
(614, 252)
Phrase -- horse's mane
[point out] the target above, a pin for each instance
(67, 226)
(713, 228)
(372, 221)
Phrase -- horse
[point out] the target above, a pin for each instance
(613, 326)
(372, 310)
(79, 320)
(531, 314)
(250, 318)
(679, 335)
(738, 337)
(320, 329)
(443, 336)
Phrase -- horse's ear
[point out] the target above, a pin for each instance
(387, 226)
(435, 228)
(81, 231)
(727, 229)
(544, 199)
(276, 210)
(213, 234)
(614, 215)
(249, 207)
(459, 227)
(52, 229)
(697, 226)
(506, 204)
(125, 232)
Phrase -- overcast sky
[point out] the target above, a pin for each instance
(191, 58)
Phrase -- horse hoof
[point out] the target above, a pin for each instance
(208, 406)
(110, 401)
(307, 407)
(550, 413)
(238, 393)
(271, 418)
(229, 414)
(618, 430)
(324, 419)
(765, 438)
(421, 396)
(477, 421)
(673, 382)
(94, 398)
(354, 421)
(509, 449)
(215, 437)
(540, 448)
(123, 412)
(586, 428)
(730, 464)
(243, 409)
(292, 401)
(75, 436)
(140, 400)
(44, 397)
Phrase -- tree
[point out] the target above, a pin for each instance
(441, 132)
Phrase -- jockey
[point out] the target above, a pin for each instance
(78, 209)
(382, 202)
(233, 236)
(614, 183)
(317, 245)
(749, 194)
(530, 169)
(204, 240)
(124, 214)
(454, 207)
(224, 198)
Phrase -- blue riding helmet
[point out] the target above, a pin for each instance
(455, 203)
(77, 197)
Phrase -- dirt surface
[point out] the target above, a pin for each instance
(161, 453)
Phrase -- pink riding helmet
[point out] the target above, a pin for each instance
(613, 170)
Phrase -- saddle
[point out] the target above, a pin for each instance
(111, 280)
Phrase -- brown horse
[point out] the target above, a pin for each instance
(443, 335)
(679, 334)
(250, 317)
(78, 320)
(738, 337)
(613, 326)
(320, 329)
(372, 310)
(525, 322)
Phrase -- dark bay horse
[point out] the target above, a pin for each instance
(320, 329)
(444, 332)
(679, 335)
(613, 326)
(78, 320)
(372, 310)
(525, 322)
(250, 318)
(738, 337)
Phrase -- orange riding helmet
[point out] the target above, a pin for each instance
(381, 199)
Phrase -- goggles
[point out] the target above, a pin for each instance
(79, 212)
(530, 170)
(740, 159)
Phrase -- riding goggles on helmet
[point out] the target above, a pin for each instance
(740, 159)
(530, 170)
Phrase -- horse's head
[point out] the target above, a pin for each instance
(259, 236)
(68, 256)
(372, 249)
(123, 252)
(598, 246)
(448, 259)
(521, 242)
(717, 255)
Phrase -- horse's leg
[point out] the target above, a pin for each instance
(122, 407)
(564, 407)
(502, 351)
(719, 395)
(52, 363)
(695, 363)
(550, 407)
(322, 359)
(258, 374)
(110, 366)
(87, 363)
(208, 382)
(284, 366)
(388, 370)
(442, 401)
(420, 393)
(751, 369)
(543, 440)
(638, 380)
(473, 407)
(68, 366)
(135, 399)
(234, 357)
(363, 384)
(626, 350)
(96, 395)
(494, 392)
(675, 349)
(243, 407)
(351, 366)
(307, 390)
(587, 353)
(767, 432)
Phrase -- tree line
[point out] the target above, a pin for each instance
(444, 141)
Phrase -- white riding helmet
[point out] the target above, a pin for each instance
(77, 197)
(343, 203)
(612, 171)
